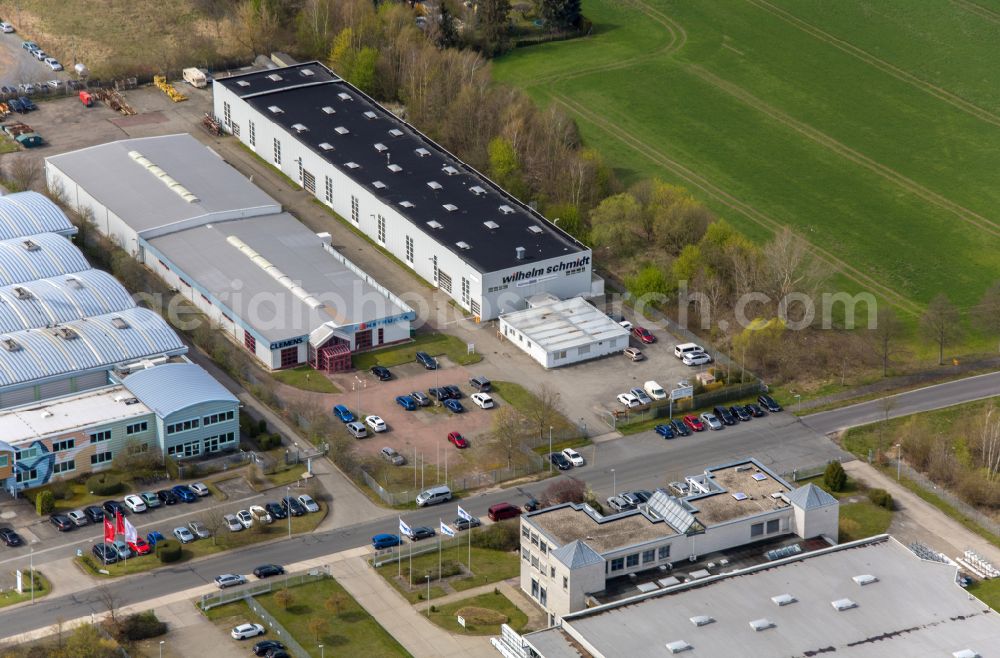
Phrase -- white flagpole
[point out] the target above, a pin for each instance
(411, 563)
(439, 548)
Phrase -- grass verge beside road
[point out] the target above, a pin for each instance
(12, 596)
(226, 540)
(434, 344)
(346, 628)
(305, 378)
(483, 615)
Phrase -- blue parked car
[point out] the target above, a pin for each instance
(185, 493)
(26, 102)
(666, 431)
(406, 402)
(454, 406)
(154, 537)
(343, 413)
(385, 540)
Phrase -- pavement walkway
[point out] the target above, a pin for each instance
(918, 518)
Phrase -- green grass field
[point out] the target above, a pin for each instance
(872, 129)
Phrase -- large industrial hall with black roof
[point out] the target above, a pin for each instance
(453, 226)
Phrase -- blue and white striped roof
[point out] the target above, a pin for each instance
(173, 387)
(29, 213)
(100, 342)
(61, 299)
(38, 256)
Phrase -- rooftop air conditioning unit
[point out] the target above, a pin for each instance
(519, 253)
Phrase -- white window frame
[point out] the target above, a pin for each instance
(277, 151)
(409, 250)
(381, 229)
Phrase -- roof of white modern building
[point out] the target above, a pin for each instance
(163, 183)
(29, 213)
(442, 196)
(59, 299)
(868, 599)
(173, 387)
(276, 275)
(93, 343)
(38, 256)
(556, 325)
(66, 414)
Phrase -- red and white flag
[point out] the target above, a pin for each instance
(109, 531)
(119, 523)
(130, 532)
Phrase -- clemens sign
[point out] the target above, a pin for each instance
(535, 273)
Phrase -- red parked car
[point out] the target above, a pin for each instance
(140, 546)
(643, 334)
(694, 423)
(458, 440)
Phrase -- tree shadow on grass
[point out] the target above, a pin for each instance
(335, 640)
(352, 616)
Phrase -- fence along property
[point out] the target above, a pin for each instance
(661, 408)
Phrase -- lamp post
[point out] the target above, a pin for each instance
(798, 402)
(899, 459)
(31, 569)
(428, 576)
(288, 494)
(614, 483)
(161, 648)
(550, 448)
(322, 654)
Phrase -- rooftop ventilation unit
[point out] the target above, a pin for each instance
(22, 293)
(966, 653)
(843, 604)
(739, 495)
(434, 185)
(406, 204)
(461, 244)
(371, 115)
(396, 132)
(507, 210)
(760, 477)
(306, 72)
(537, 230)
(66, 333)
(326, 146)
(344, 96)
(340, 130)
(30, 246)
(435, 224)
(274, 77)
(10, 344)
(74, 283)
(243, 83)
(351, 165)
(761, 624)
(702, 620)
(422, 152)
(119, 323)
(274, 109)
(865, 579)
(743, 467)
(519, 253)
(450, 207)
(380, 147)
(378, 185)
(783, 599)
(448, 169)
(678, 646)
(478, 191)
(491, 225)
(329, 110)
(299, 128)
(394, 168)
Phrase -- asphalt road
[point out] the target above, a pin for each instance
(904, 404)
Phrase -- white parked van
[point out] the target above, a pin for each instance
(654, 390)
(433, 496)
(686, 348)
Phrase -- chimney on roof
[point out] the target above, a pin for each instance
(519, 253)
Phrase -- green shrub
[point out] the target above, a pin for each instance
(262, 426)
(881, 497)
(59, 489)
(268, 441)
(173, 470)
(141, 626)
(834, 477)
(45, 502)
(105, 484)
(168, 550)
(501, 536)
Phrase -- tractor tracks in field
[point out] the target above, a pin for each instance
(978, 10)
(694, 179)
(900, 74)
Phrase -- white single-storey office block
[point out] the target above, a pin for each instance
(453, 226)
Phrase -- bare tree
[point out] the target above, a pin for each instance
(885, 335)
(284, 598)
(107, 598)
(987, 314)
(508, 428)
(317, 626)
(214, 522)
(544, 410)
(988, 444)
(336, 603)
(22, 172)
(564, 490)
(941, 323)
